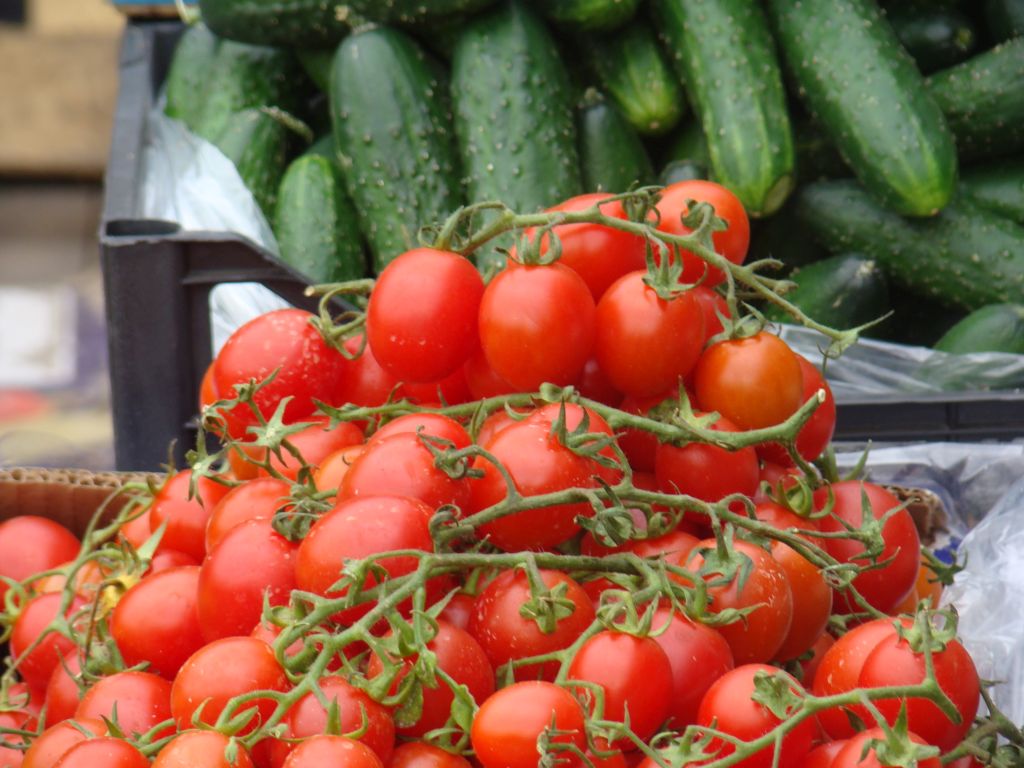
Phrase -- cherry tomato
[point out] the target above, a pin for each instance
(10, 755)
(498, 624)
(635, 675)
(223, 669)
(141, 700)
(335, 751)
(809, 667)
(186, 518)
(418, 754)
(594, 384)
(732, 243)
(713, 307)
(315, 443)
(286, 342)
(362, 380)
(645, 344)
(434, 425)
(537, 325)
(706, 472)
(926, 587)
(882, 587)
(104, 750)
(259, 498)
(729, 707)
(156, 621)
(200, 749)
(35, 666)
(57, 739)
(814, 436)
(421, 321)
(508, 725)
(62, 691)
(52, 545)
(822, 755)
(451, 390)
(850, 755)
(482, 379)
(640, 446)
(754, 382)
(458, 610)
(333, 469)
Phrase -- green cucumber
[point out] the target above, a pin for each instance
(315, 222)
(997, 187)
(1005, 19)
(935, 38)
(633, 71)
(317, 63)
(412, 12)
(816, 155)
(258, 144)
(983, 99)
(842, 291)
(688, 144)
(868, 96)
(298, 23)
(995, 328)
(588, 14)
(612, 157)
(724, 54)
(188, 75)
(514, 114)
(682, 170)
(964, 257)
(325, 146)
(392, 125)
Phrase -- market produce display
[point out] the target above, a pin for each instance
(583, 514)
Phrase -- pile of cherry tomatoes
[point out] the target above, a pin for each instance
(582, 514)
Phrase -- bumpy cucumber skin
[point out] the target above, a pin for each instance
(841, 291)
(317, 64)
(1005, 19)
(392, 125)
(258, 146)
(964, 257)
(995, 328)
(724, 54)
(868, 96)
(276, 22)
(514, 114)
(189, 73)
(997, 187)
(634, 73)
(983, 100)
(588, 14)
(413, 12)
(315, 223)
(935, 38)
(612, 157)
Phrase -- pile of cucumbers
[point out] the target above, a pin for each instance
(879, 148)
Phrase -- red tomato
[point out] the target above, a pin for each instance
(230, 595)
(421, 321)
(712, 306)
(429, 425)
(809, 667)
(259, 498)
(598, 254)
(728, 706)
(186, 518)
(754, 382)
(335, 751)
(926, 587)
(507, 726)
(418, 754)
(314, 443)
(282, 341)
(850, 755)
(35, 666)
(706, 472)
(333, 469)
(362, 380)
(482, 380)
(645, 344)
(52, 545)
(573, 416)
(894, 662)
(451, 390)
(223, 669)
(10, 755)
(308, 717)
(200, 749)
(106, 751)
(758, 636)
(458, 610)
(698, 656)
(635, 675)
(62, 692)
(505, 634)
(459, 655)
(732, 243)
(839, 672)
(141, 701)
(358, 528)
(402, 464)
(537, 325)
(639, 445)
(594, 384)
(57, 739)
(816, 433)
(164, 561)
(156, 621)
(882, 587)
(822, 755)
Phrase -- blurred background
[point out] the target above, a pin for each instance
(58, 85)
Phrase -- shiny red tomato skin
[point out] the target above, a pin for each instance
(817, 432)
(52, 545)
(58, 738)
(254, 499)
(335, 751)
(62, 692)
(142, 701)
(315, 443)
(434, 425)
(706, 472)
(822, 755)
(645, 344)
(35, 666)
(537, 325)
(712, 306)
(362, 381)
(850, 755)
(200, 749)
(419, 754)
(186, 518)
(104, 750)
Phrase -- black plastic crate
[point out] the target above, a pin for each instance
(158, 280)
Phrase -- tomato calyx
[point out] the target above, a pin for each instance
(895, 747)
(930, 632)
(351, 298)
(547, 605)
(775, 693)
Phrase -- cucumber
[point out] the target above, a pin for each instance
(1005, 19)
(935, 38)
(315, 222)
(188, 75)
(317, 63)
(392, 125)
(612, 157)
(325, 146)
(816, 155)
(258, 145)
(995, 328)
(997, 187)
(841, 291)
(983, 99)
(632, 70)
(682, 170)
(298, 23)
(688, 144)
(964, 257)
(724, 54)
(412, 12)
(865, 92)
(514, 115)
(588, 14)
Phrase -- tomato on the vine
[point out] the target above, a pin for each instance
(255, 499)
(186, 517)
(704, 471)
(419, 754)
(103, 750)
(52, 545)
(335, 751)
(201, 749)
(36, 665)
(815, 434)
(850, 756)
(314, 443)
(139, 701)
(58, 738)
